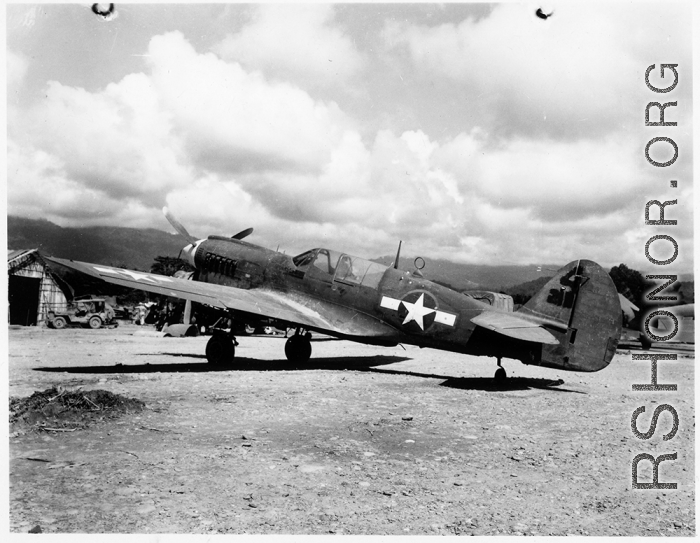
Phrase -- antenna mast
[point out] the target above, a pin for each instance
(398, 252)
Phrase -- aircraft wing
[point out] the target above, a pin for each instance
(289, 307)
(512, 326)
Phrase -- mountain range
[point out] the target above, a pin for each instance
(137, 248)
(111, 245)
(474, 276)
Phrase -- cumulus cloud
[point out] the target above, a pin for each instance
(557, 180)
(227, 143)
(578, 74)
(237, 120)
(40, 187)
(229, 209)
(116, 141)
(324, 196)
(189, 125)
(16, 69)
(149, 134)
(298, 42)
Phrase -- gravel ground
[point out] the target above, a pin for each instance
(360, 440)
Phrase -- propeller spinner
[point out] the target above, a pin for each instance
(191, 248)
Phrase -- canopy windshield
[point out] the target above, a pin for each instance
(343, 268)
(323, 259)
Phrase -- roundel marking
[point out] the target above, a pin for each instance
(418, 309)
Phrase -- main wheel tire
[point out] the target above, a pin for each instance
(298, 349)
(58, 323)
(95, 322)
(220, 350)
(500, 377)
(645, 341)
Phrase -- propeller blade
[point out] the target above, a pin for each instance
(243, 233)
(177, 226)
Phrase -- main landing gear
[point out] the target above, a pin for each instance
(298, 347)
(221, 348)
(500, 377)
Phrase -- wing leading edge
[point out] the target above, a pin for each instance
(287, 307)
(512, 326)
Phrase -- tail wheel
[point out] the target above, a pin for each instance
(500, 377)
(58, 323)
(298, 348)
(95, 322)
(220, 350)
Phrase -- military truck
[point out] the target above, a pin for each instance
(86, 312)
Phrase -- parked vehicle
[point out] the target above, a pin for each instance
(87, 312)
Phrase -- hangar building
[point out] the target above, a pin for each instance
(33, 289)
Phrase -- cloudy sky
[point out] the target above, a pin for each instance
(474, 132)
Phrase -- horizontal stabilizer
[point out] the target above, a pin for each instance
(512, 326)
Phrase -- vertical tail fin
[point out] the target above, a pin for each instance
(582, 306)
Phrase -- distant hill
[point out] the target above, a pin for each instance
(137, 248)
(523, 292)
(473, 276)
(115, 246)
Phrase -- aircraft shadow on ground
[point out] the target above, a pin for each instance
(355, 363)
(512, 383)
(363, 363)
(314, 339)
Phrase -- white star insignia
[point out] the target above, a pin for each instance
(417, 311)
(136, 276)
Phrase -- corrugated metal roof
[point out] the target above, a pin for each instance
(13, 254)
(18, 259)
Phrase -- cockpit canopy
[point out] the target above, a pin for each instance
(334, 266)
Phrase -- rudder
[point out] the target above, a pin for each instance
(581, 308)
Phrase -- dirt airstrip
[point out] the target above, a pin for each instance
(359, 440)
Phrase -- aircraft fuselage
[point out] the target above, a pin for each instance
(417, 310)
(573, 322)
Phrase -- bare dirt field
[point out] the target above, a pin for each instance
(359, 440)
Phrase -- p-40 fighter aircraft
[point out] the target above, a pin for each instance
(573, 323)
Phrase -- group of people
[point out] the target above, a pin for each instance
(158, 314)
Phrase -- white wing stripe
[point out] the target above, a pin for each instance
(390, 303)
(445, 318)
